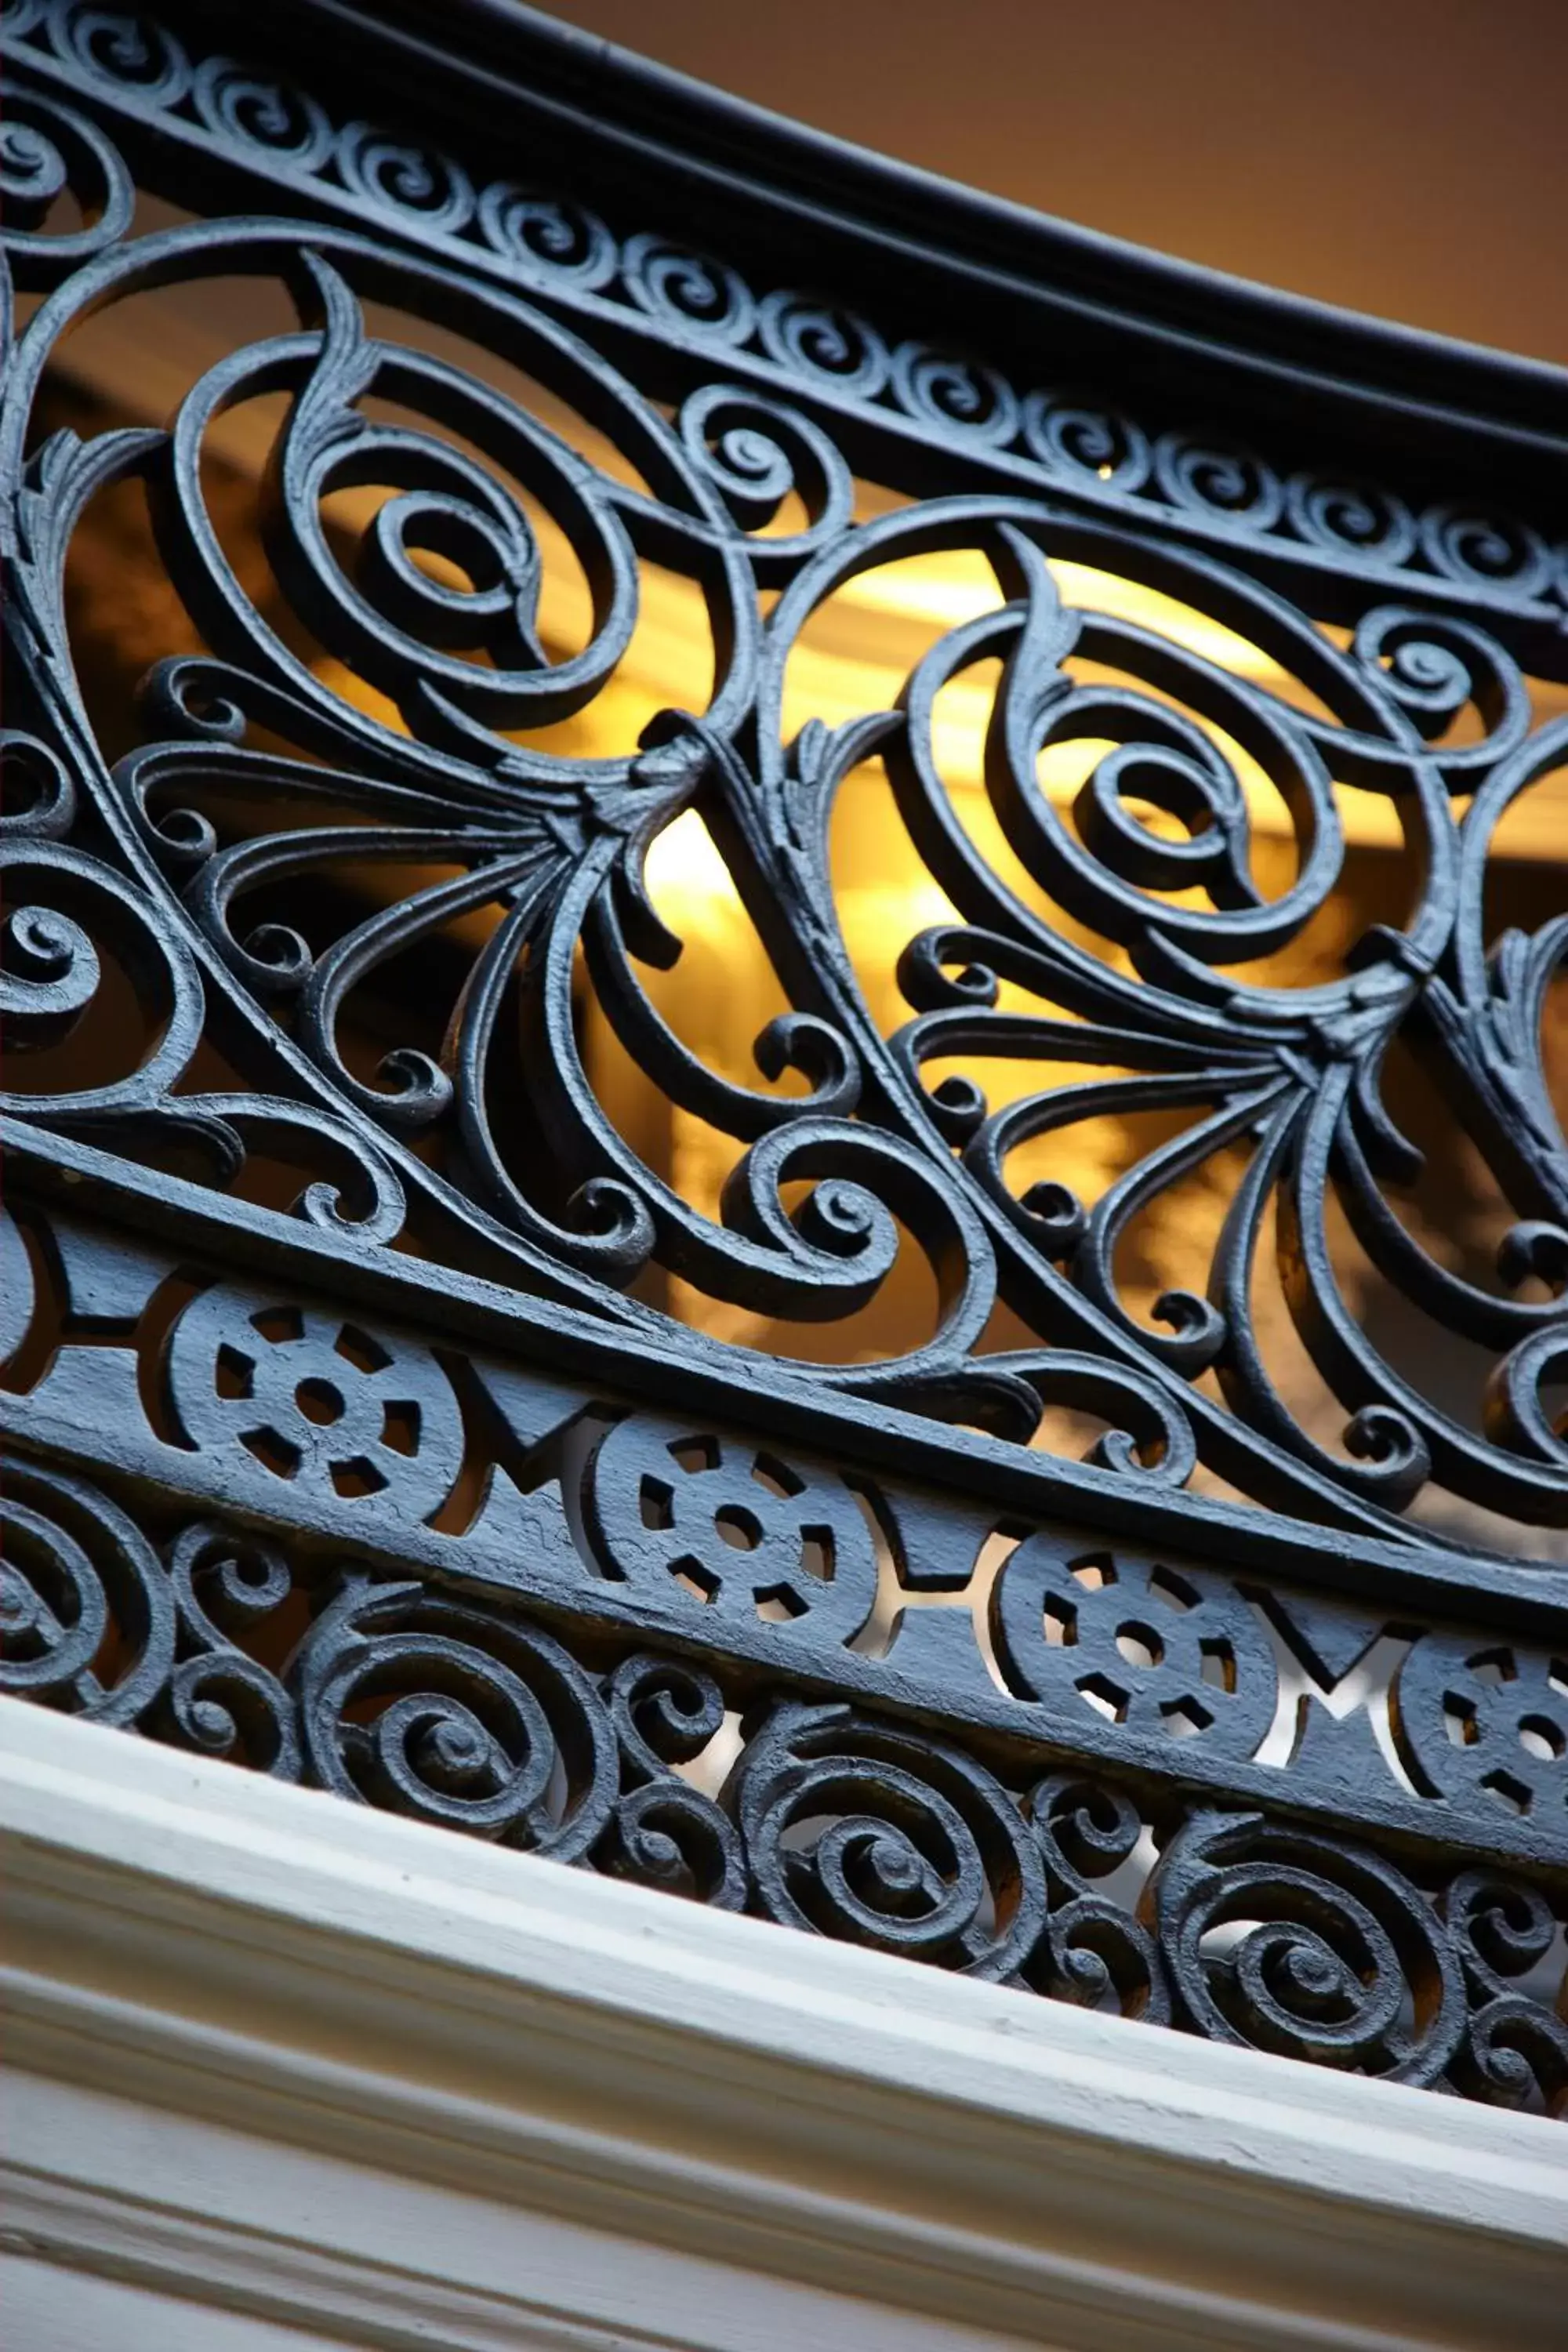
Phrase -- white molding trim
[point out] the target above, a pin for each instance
(282, 2058)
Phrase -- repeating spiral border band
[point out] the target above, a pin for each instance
(561, 249)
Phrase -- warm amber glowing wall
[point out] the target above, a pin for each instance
(1406, 160)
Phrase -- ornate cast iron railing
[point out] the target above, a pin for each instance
(394, 1407)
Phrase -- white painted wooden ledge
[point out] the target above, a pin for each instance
(282, 2071)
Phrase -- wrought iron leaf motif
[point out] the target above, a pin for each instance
(260, 784)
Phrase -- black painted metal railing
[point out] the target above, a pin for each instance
(375, 1418)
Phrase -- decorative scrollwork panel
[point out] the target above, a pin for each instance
(390, 934)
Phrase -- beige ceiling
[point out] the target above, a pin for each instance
(1400, 156)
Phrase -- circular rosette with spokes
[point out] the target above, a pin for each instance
(1161, 1652)
(697, 1522)
(316, 1406)
(1485, 1724)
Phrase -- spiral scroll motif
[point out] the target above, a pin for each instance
(862, 1832)
(554, 243)
(665, 1832)
(457, 1716)
(1066, 435)
(403, 178)
(1229, 482)
(1094, 1952)
(687, 289)
(128, 51)
(814, 339)
(1515, 2051)
(287, 124)
(944, 390)
(222, 1701)
(87, 1613)
(47, 151)
(1314, 1950)
(64, 905)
